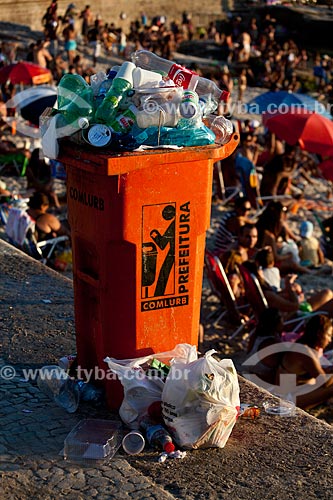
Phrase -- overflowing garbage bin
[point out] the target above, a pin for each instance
(138, 223)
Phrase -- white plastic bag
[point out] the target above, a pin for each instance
(200, 401)
(140, 389)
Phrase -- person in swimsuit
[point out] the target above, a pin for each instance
(304, 360)
(47, 225)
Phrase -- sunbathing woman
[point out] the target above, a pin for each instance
(303, 358)
(271, 225)
(288, 301)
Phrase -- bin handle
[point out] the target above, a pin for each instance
(87, 278)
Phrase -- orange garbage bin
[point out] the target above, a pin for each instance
(138, 223)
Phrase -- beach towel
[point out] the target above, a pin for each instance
(18, 224)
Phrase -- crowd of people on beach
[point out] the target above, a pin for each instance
(253, 233)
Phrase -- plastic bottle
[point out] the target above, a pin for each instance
(75, 100)
(100, 135)
(189, 105)
(253, 178)
(177, 136)
(157, 436)
(123, 122)
(305, 307)
(57, 385)
(121, 84)
(221, 126)
(182, 77)
(104, 88)
(88, 392)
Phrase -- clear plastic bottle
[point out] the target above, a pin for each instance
(104, 87)
(157, 436)
(75, 101)
(121, 84)
(57, 385)
(221, 126)
(182, 77)
(90, 393)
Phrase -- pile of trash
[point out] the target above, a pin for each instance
(173, 401)
(192, 402)
(148, 102)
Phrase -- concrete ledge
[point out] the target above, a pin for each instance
(272, 457)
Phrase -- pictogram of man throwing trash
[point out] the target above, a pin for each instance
(150, 254)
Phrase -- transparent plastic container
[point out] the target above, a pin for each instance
(280, 408)
(93, 440)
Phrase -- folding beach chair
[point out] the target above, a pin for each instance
(227, 193)
(221, 288)
(17, 160)
(20, 229)
(326, 239)
(258, 301)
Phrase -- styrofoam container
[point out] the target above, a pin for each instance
(93, 439)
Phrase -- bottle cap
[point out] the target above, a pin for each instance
(83, 122)
(133, 443)
(169, 447)
(126, 71)
(112, 74)
(99, 135)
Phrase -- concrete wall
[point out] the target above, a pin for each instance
(30, 12)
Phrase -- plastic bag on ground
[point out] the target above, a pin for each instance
(200, 402)
(141, 389)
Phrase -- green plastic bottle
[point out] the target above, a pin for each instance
(75, 101)
(121, 84)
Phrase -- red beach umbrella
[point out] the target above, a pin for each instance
(25, 73)
(313, 132)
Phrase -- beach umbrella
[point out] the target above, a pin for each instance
(25, 73)
(326, 168)
(29, 105)
(282, 101)
(313, 132)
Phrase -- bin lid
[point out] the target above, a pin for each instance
(108, 162)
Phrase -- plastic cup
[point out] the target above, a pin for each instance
(145, 78)
(133, 443)
(126, 71)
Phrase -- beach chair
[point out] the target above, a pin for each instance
(17, 160)
(326, 240)
(227, 193)
(221, 288)
(20, 230)
(258, 302)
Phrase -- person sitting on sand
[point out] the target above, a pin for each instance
(271, 225)
(288, 302)
(309, 247)
(303, 359)
(230, 224)
(277, 173)
(241, 251)
(47, 225)
(265, 260)
(39, 176)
